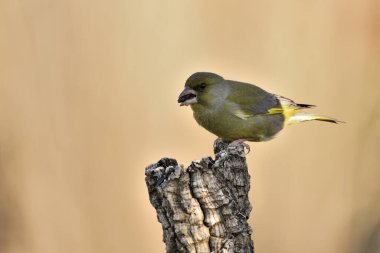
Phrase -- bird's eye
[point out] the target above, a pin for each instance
(202, 86)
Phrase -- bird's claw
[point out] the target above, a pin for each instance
(241, 142)
(247, 147)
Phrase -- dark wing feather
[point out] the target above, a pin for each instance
(247, 100)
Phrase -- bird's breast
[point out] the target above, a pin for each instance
(217, 121)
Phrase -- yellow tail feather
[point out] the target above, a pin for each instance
(301, 116)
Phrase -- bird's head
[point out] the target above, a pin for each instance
(200, 88)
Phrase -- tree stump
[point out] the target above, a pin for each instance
(205, 207)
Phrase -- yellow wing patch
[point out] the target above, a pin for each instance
(241, 114)
(285, 110)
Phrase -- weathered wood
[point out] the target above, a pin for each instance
(205, 207)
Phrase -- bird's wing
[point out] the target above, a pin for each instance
(247, 100)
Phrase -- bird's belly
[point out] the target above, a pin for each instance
(229, 127)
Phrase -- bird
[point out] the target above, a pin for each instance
(237, 112)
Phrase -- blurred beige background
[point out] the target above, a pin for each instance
(88, 94)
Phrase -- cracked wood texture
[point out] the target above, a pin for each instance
(205, 207)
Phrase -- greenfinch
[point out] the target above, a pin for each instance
(237, 112)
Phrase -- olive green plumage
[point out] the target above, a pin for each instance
(234, 110)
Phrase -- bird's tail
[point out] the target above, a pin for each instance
(293, 112)
(302, 116)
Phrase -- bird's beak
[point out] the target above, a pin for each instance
(187, 97)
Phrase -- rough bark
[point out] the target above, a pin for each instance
(205, 207)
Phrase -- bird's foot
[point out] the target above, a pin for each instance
(240, 142)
